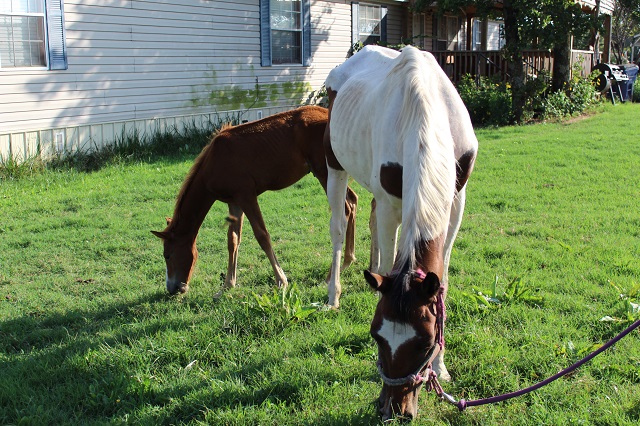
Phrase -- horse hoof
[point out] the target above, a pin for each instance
(444, 376)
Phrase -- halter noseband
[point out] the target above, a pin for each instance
(415, 378)
(424, 373)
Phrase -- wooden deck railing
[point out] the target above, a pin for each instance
(489, 63)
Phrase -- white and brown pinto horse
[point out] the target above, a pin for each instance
(399, 128)
(238, 165)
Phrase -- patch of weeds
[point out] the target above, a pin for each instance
(516, 291)
(11, 169)
(573, 353)
(628, 310)
(285, 304)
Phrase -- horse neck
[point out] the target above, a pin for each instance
(430, 256)
(191, 209)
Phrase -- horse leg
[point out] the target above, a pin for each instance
(336, 193)
(350, 210)
(252, 210)
(455, 219)
(387, 222)
(351, 207)
(374, 252)
(234, 236)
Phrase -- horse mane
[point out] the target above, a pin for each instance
(400, 292)
(195, 168)
(429, 165)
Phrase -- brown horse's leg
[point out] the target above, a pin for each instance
(252, 210)
(351, 208)
(374, 258)
(234, 236)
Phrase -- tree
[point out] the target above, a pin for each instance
(557, 21)
(625, 23)
(543, 23)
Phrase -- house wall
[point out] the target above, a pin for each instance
(606, 6)
(149, 64)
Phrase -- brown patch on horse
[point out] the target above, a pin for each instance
(430, 256)
(391, 178)
(464, 167)
(332, 161)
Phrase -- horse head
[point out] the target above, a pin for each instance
(405, 328)
(180, 256)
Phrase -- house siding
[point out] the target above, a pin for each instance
(606, 6)
(147, 64)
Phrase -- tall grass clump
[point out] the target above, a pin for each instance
(127, 147)
(11, 168)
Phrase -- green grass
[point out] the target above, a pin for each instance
(88, 334)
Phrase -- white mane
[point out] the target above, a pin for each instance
(396, 102)
(429, 174)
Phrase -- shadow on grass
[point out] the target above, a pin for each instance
(92, 366)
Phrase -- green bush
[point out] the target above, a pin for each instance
(488, 101)
(578, 96)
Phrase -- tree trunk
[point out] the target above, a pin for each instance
(513, 50)
(561, 65)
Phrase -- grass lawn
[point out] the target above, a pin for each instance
(88, 334)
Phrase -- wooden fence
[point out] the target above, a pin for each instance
(490, 63)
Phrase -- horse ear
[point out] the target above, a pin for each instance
(430, 285)
(168, 221)
(161, 235)
(376, 281)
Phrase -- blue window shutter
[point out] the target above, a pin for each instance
(306, 33)
(355, 33)
(56, 36)
(383, 25)
(265, 33)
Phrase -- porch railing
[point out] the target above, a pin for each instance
(487, 63)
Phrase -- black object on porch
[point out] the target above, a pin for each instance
(616, 80)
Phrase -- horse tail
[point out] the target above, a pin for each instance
(429, 166)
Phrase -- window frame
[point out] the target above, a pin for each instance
(266, 36)
(440, 38)
(355, 22)
(54, 37)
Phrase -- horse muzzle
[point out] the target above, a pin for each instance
(175, 287)
(398, 408)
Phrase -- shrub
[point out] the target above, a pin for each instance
(578, 96)
(488, 101)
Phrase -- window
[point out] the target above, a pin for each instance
(478, 34)
(419, 32)
(447, 33)
(32, 34)
(495, 35)
(369, 24)
(285, 32)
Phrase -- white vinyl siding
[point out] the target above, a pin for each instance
(145, 60)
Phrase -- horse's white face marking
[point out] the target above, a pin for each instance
(396, 334)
